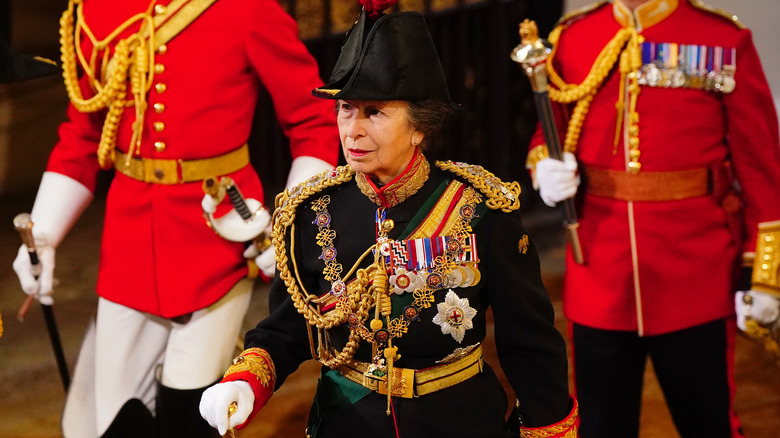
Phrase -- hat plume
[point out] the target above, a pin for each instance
(374, 8)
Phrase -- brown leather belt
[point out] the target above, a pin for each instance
(165, 171)
(409, 383)
(654, 186)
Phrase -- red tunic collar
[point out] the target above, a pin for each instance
(644, 15)
(401, 187)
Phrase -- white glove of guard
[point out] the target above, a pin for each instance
(58, 204)
(265, 260)
(301, 169)
(215, 401)
(764, 309)
(557, 180)
(37, 281)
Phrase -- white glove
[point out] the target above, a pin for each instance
(215, 401)
(301, 169)
(304, 167)
(265, 260)
(58, 204)
(764, 308)
(557, 180)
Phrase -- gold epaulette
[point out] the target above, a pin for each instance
(500, 195)
(766, 264)
(566, 428)
(287, 202)
(698, 4)
(256, 362)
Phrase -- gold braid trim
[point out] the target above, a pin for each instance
(130, 63)
(535, 155)
(355, 301)
(766, 263)
(257, 362)
(564, 429)
(624, 46)
(500, 195)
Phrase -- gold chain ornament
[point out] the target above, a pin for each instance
(624, 49)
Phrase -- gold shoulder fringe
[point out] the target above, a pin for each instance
(500, 195)
(698, 4)
(287, 201)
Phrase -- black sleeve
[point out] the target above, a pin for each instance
(531, 351)
(284, 333)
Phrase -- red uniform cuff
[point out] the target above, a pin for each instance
(254, 366)
(566, 428)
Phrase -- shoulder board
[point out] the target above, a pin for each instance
(698, 4)
(570, 17)
(500, 195)
(289, 200)
(579, 13)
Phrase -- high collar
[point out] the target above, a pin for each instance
(644, 15)
(402, 187)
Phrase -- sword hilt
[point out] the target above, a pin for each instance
(237, 199)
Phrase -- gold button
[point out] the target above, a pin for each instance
(159, 126)
(388, 224)
(162, 49)
(160, 88)
(160, 9)
(159, 68)
(159, 174)
(159, 146)
(159, 108)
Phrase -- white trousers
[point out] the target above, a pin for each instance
(132, 350)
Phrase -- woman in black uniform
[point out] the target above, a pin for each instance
(387, 266)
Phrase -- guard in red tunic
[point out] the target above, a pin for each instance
(164, 92)
(675, 136)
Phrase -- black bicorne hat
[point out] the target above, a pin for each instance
(16, 67)
(392, 58)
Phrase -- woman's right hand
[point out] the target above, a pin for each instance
(215, 404)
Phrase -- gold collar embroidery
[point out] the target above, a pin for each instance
(401, 187)
(644, 15)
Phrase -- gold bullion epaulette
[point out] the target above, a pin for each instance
(288, 201)
(698, 4)
(500, 195)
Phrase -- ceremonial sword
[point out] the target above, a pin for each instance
(532, 53)
(23, 224)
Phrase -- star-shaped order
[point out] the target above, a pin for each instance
(454, 316)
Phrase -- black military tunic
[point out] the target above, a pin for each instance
(531, 351)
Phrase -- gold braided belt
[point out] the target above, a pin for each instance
(653, 186)
(170, 171)
(410, 383)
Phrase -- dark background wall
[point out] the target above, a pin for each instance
(474, 39)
